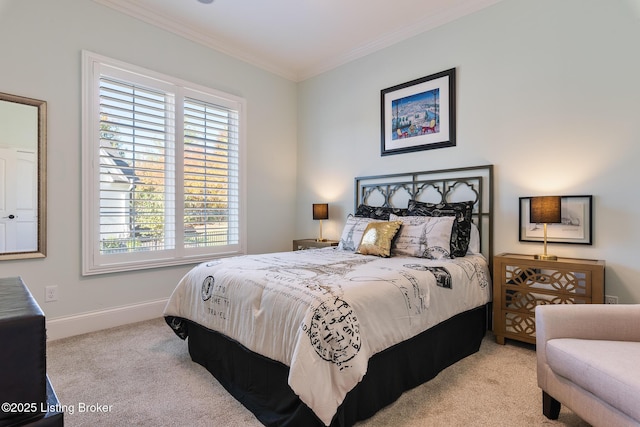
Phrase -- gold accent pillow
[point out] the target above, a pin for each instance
(377, 237)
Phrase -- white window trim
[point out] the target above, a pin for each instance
(92, 262)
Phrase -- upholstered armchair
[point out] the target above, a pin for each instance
(588, 358)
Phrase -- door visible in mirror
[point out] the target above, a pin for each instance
(22, 177)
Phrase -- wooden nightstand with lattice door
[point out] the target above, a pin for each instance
(521, 282)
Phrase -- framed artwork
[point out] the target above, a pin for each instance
(575, 227)
(419, 115)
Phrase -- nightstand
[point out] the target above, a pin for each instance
(521, 282)
(312, 243)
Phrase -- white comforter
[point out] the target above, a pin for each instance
(325, 312)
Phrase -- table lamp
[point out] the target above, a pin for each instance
(320, 212)
(545, 210)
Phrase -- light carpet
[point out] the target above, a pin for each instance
(142, 375)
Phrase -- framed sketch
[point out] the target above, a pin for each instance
(575, 227)
(419, 115)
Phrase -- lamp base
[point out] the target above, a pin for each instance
(545, 257)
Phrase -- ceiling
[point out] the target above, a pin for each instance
(298, 39)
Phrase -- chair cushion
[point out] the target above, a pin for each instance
(607, 369)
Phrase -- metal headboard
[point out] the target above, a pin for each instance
(444, 185)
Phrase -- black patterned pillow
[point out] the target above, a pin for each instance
(379, 212)
(461, 231)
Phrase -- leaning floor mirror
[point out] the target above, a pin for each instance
(23, 182)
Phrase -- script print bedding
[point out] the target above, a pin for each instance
(325, 312)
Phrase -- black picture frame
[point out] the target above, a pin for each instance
(576, 227)
(419, 115)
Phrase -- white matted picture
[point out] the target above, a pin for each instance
(419, 115)
(575, 225)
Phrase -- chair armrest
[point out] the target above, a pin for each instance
(588, 321)
(582, 321)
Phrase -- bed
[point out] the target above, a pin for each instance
(330, 336)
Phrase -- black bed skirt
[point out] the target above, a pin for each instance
(260, 384)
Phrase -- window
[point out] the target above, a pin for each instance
(162, 167)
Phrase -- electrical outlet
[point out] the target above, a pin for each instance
(610, 299)
(50, 293)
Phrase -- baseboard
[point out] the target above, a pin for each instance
(63, 327)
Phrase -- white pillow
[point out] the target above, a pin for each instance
(423, 236)
(474, 240)
(353, 231)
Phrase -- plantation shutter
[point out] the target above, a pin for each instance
(137, 182)
(211, 172)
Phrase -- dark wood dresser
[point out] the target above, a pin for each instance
(26, 395)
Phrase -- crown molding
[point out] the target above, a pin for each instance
(227, 47)
(182, 29)
(395, 37)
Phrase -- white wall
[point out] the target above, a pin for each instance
(40, 57)
(548, 92)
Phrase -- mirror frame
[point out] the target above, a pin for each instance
(41, 251)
